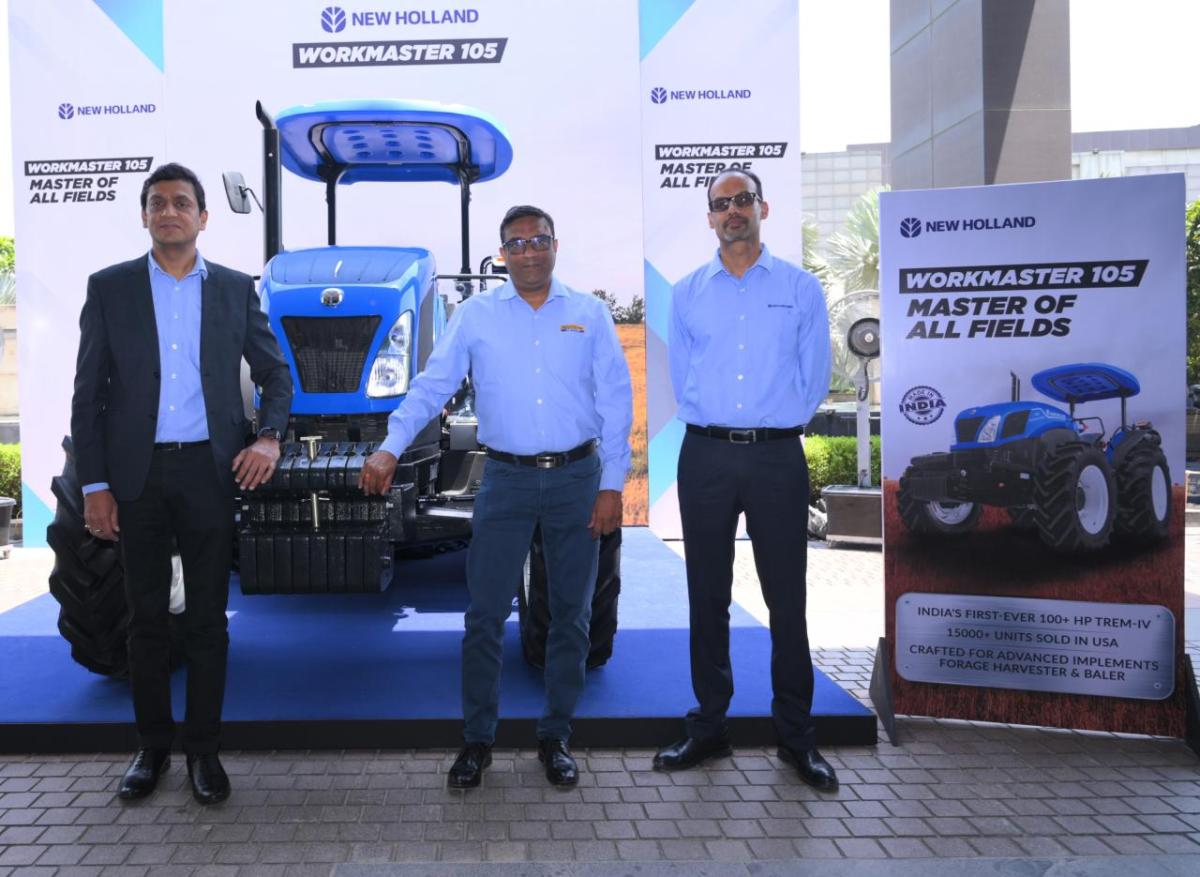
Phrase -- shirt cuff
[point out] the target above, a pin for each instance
(612, 478)
(92, 488)
(392, 447)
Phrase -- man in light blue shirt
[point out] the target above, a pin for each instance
(750, 361)
(555, 407)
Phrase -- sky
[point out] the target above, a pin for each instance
(1129, 69)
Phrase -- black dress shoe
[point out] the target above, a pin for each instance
(691, 751)
(143, 772)
(467, 770)
(210, 785)
(812, 767)
(561, 769)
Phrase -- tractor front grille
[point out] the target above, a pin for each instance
(330, 351)
(967, 428)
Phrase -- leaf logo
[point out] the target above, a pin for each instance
(658, 95)
(910, 227)
(333, 19)
(65, 111)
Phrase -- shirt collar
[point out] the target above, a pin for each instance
(716, 266)
(508, 290)
(199, 268)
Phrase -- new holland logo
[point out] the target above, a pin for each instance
(658, 95)
(332, 297)
(910, 227)
(333, 19)
(66, 111)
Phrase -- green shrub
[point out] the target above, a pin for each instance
(10, 475)
(834, 460)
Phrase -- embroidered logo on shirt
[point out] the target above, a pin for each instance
(570, 327)
(789, 307)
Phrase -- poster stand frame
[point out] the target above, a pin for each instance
(881, 690)
(1192, 701)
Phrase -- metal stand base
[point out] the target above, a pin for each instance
(881, 691)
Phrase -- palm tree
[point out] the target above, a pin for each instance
(853, 254)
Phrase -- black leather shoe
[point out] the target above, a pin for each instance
(143, 772)
(210, 785)
(691, 751)
(812, 767)
(561, 769)
(467, 770)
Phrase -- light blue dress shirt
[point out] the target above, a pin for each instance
(749, 351)
(545, 380)
(182, 416)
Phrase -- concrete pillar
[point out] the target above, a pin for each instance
(981, 92)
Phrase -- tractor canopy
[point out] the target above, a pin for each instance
(392, 141)
(1085, 382)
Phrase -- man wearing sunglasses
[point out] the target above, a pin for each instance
(750, 361)
(555, 408)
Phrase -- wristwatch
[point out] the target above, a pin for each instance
(269, 432)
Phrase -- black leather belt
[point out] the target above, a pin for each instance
(178, 446)
(545, 461)
(746, 436)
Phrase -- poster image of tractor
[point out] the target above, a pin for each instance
(1056, 470)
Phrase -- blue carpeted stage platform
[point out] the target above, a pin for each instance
(382, 671)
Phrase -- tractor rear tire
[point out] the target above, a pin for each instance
(533, 603)
(1143, 494)
(1074, 491)
(1022, 517)
(944, 518)
(88, 581)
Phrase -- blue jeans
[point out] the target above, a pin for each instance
(513, 500)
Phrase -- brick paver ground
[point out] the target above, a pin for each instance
(952, 791)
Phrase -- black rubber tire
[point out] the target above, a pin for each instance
(923, 517)
(1058, 495)
(533, 607)
(88, 581)
(1022, 517)
(1138, 519)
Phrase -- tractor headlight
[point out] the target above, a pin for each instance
(988, 432)
(389, 372)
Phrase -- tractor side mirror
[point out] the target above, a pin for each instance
(236, 192)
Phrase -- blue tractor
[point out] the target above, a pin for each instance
(356, 325)
(1050, 469)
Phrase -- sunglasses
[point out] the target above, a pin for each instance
(741, 199)
(539, 242)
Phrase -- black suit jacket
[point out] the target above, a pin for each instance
(114, 412)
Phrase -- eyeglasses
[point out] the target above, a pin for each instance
(741, 199)
(539, 242)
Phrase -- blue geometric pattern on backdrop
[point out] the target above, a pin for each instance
(142, 22)
(664, 458)
(37, 517)
(655, 18)
(658, 302)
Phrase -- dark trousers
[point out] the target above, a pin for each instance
(184, 502)
(512, 500)
(768, 481)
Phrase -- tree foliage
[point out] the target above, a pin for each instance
(634, 312)
(853, 253)
(8, 271)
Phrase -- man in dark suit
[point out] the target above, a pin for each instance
(160, 442)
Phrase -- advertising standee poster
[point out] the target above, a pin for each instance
(1033, 387)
